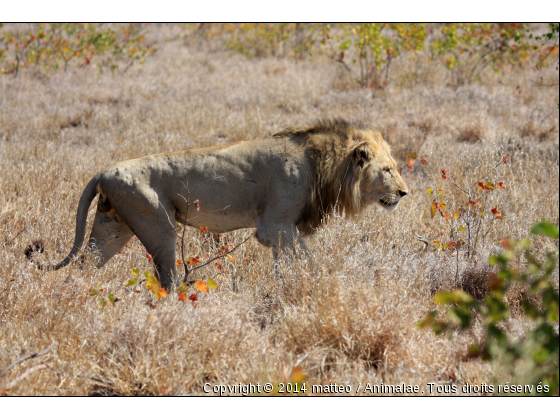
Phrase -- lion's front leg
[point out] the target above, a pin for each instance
(282, 236)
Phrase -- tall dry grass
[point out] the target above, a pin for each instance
(347, 318)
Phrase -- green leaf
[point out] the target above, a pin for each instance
(111, 297)
(212, 284)
(530, 309)
(94, 292)
(456, 296)
(545, 228)
(102, 302)
(135, 271)
(498, 334)
(430, 191)
(460, 316)
(132, 282)
(497, 310)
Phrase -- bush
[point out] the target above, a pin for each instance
(49, 46)
(538, 351)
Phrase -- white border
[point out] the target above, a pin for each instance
(278, 11)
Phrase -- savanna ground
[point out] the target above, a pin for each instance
(349, 319)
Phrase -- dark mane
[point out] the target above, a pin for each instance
(324, 126)
(333, 174)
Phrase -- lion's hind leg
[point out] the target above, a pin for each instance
(157, 234)
(109, 235)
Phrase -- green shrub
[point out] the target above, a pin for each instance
(49, 46)
(538, 351)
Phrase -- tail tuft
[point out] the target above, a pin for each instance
(35, 246)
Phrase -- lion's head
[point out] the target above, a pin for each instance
(379, 178)
(349, 169)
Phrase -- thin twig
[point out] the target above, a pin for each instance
(30, 371)
(222, 255)
(200, 185)
(421, 239)
(465, 191)
(204, 214)
(8, 242)
(488, 173)
(27, 357)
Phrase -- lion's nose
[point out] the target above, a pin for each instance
(403, 193)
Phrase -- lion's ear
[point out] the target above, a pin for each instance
(363, 153)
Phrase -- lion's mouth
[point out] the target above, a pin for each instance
(388, 205)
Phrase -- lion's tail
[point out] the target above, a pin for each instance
(81, 218)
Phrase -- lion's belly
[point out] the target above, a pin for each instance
(224, 221)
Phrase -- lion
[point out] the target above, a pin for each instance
(284, 186)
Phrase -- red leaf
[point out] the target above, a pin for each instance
(443, 173)
(195, 260)
(193, 297)
(341, 55)
(410, 164)
(480, 185)
(183, 297)
(149, 257)
(505, 159)
(424, 161)
(497, 213)
(471, 203)
(501, 186)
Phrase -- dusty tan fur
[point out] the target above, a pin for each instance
(279, 185)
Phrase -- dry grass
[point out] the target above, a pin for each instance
(349, 318)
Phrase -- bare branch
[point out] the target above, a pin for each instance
(488, 173)
(31, 371)
(27, 357)
(208, 180)
(204, 214)
(421, 239)
(457, 185)
(222, 255)
(168, 218)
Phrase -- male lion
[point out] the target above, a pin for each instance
(280, 185)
